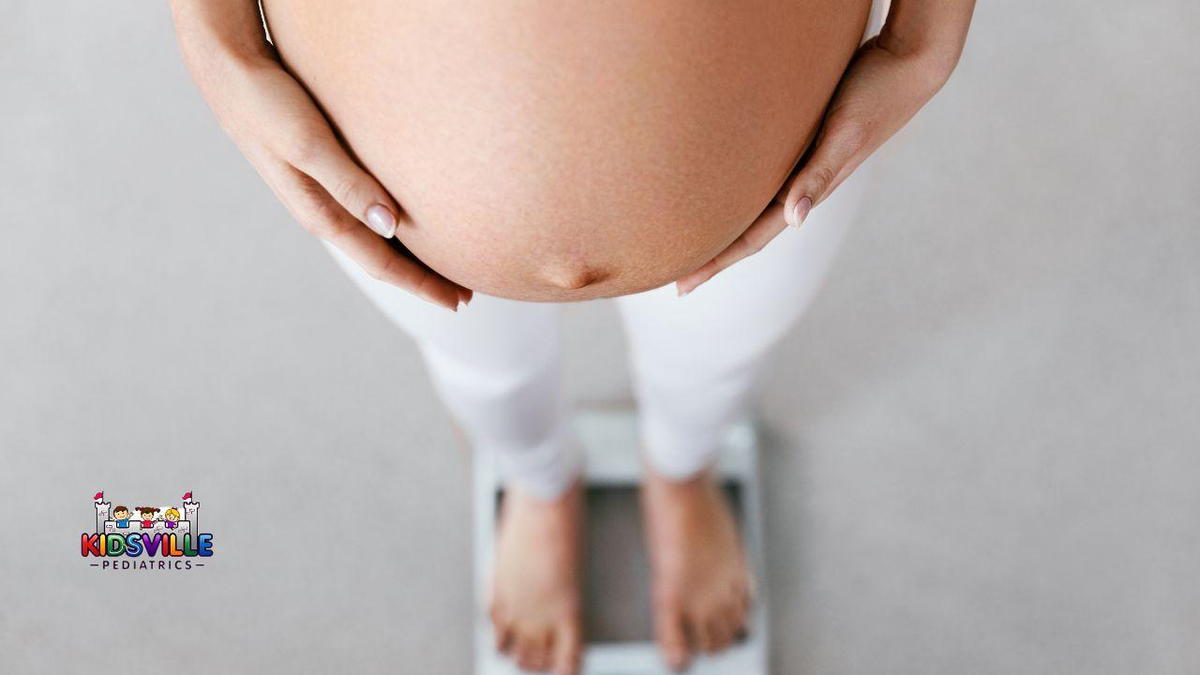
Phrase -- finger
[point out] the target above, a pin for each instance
(761, 231)
(837, 154)
(323, 158)
(322, 216)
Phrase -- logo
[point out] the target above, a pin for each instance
(165, 537)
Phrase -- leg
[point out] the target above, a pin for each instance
(696, 359)
(697, 362)
(496, 367)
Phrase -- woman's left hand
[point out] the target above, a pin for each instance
(889, 79)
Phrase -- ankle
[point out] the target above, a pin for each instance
(697, 480)
(518, 493)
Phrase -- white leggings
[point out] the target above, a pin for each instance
(695, 360)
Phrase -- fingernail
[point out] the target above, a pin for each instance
(800, 211)
(682, 291)
(381, 221)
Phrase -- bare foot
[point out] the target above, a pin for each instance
(535, 604)
(701, 585)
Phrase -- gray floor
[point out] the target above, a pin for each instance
(983, 439)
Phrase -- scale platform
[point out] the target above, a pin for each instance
(613, 469)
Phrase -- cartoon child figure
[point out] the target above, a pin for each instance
(147, 513)
(171, 518)
(121, 515)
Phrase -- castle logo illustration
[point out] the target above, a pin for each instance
(164, 537)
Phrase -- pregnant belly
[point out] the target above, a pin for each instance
(571, 150)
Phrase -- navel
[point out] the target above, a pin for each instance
(572, 277)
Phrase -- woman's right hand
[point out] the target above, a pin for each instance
(279, 128)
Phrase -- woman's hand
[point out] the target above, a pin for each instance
(279, 128)
(889, 79)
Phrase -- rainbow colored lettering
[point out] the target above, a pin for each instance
(135, 544)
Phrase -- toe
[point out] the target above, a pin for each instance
(499, 627)
(738, 605)
(539, 654)
(701, 629)
(567, 651)
(721, 627)
(504, 641)
(672, 638)
(523, 652)
(738, 621)
(502, 632)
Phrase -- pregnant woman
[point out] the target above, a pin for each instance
(512, 156)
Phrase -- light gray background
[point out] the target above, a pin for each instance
(983, 438)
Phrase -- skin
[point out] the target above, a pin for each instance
(890, 78)
(701, 585)
(535, 601)
(564, 153)
(297, 153)
(556, 152)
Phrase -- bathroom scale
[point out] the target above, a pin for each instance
(620, 641)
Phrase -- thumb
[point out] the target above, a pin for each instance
(837, 154)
